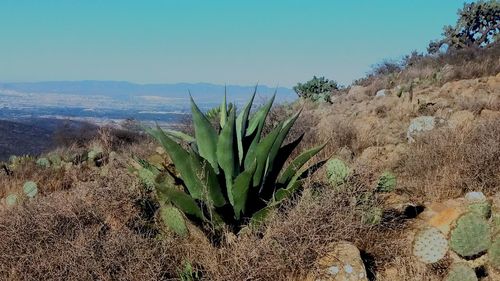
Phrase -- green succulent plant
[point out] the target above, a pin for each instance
(337, 171)
(483, 209)
(494, 252)
(235, 176)
(386, 182)
(174, 220)
(461, 272)
(30, 189)
(430, 245)
(94, 153)
(43, 162)
(471, 236)
(373, 216)
(11, 200)
(55, 160)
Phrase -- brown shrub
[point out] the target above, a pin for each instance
(445, 163)
(438, 69)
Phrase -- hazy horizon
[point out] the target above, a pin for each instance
(276, 43)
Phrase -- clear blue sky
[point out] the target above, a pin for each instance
(233, 42)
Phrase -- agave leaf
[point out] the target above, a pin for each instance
(296, 182)
(242, 184)
(259, 216)
(180, 136)
(270, 184)
(206, 136)
(225, 153)
(280, 139)
(211, 183)
(181, 200)
(187, 166)
(259, 118)
(297, 163)
(241, 126)
(223, 109)
(262, 152)
(284, 193)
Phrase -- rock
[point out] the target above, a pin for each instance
(381, 93)
(460, 118)
(343, 263)
(420, 124)
(443, 215)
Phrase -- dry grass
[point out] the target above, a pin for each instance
(431, 69)
(445, 163)
(100, 230)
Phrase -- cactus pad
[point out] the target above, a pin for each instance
(30, 189)
(430, 245)
(386, 182)
(494, 253)
(147, 178)
(373, 216)
(173, 219)
(471, 235)
(337, 171)
(43, 162)
(482, 209)
(461, 272)
(11, 200)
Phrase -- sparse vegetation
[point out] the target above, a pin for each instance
(238, 194)
(230, 178)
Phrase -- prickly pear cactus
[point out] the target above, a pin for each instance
(94, 153)
(55, 160)
(43, 162)
(471, 235)
(461, 272)
(337, 171)
(30, 189)
(482, 209)
(372, 216)
(430, 245)
(11, 200)
(174, 220)
(494, 253)
(147, 178)
(386, 182)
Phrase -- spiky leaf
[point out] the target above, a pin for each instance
(206, 136)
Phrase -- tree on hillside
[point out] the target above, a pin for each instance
(478, 25)
(316, 89)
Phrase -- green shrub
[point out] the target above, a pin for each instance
(316, 89)
(235, 176)
(477, 26)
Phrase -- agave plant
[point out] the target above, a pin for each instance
(231, 175)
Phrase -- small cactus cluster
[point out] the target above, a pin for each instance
(30, 190)
(474, 240)
(337, 172)
(52, 160)
(387, 182)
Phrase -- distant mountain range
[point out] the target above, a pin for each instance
(120, 90)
